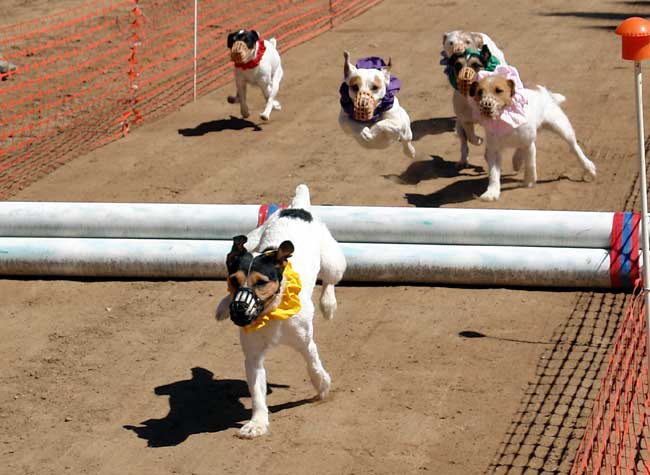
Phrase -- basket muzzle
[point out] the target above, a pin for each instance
(364, 106)
(466, 77)
(245, 307)
(239, 52)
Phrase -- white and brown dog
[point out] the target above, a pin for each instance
(257, 62)
(463, 55)
(512, 116)
(370, 111)
(270, 295)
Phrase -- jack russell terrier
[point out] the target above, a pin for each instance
(463, 55)
(370, 111)
(257, 62)
(511, 116)
(270, 295)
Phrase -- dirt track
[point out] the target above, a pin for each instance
(136, 377)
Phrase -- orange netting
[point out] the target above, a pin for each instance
(616, 437)
(86, 76)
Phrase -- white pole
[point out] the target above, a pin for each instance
(196, 24)
(466, 226)
(366, 262)
(638, 89)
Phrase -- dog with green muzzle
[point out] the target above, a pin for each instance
(461, 68)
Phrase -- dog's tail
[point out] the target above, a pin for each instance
(301, 198)
(557, 98)
(274, 42)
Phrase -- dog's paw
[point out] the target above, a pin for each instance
(253, 429)
(245, 113)
(265, 117)
(233, 99)
(409, 150)
(490, 195)
(277, 106)
(366, 134)
(476, 140)
(590, 172)
(462, 164)
(324, 386)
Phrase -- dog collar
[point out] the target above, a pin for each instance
(387, 101)
(512, 116)
(289, 304)
(493, 62)
(253, 63)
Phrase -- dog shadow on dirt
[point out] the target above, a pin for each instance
(435, 126)
(234, 123)
(437, 167)
(201, 404)
(467, 190)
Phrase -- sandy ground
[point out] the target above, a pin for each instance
(130, 377)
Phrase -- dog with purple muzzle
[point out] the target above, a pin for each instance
(370, 110)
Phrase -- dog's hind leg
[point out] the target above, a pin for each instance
(269, 94)
(530, 160)
(332, 268)
(254, 349)
(557, 121)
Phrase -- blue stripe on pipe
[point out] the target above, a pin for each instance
(626, 250)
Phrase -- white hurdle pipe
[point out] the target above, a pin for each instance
(446, 226)
(404, 263)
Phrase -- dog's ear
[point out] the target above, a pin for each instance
(237, 250)
(477, 38)
(486, 54)
(255, 36)
(511, 85)
(231, 39)
(348, 68)
(284, 252)
(386, 70)
(444, 39)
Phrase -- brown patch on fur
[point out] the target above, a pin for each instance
(377, 82)
(259, 283)
(356, 81)
(494, 93)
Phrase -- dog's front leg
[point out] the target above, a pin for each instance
(464, 148)
(385, 127)
(240, 82)
(493, 158)
(270, 92)
(256, 379)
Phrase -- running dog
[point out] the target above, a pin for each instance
(463, 55)
(512, 116)
(370, 111)
(270, 288)
(257, 62)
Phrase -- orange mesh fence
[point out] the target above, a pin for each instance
(87, 76)
(616, 436)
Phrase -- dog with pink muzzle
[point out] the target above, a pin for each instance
(511, 116)
(370, 111)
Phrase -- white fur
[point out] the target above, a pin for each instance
(542, 111)
(464, 117)
(394, 124)
(316, 254)
(267, 76)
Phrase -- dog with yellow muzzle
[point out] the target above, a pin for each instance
(370, 110)
(270, 295)
(462, 62)
(257, 62)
